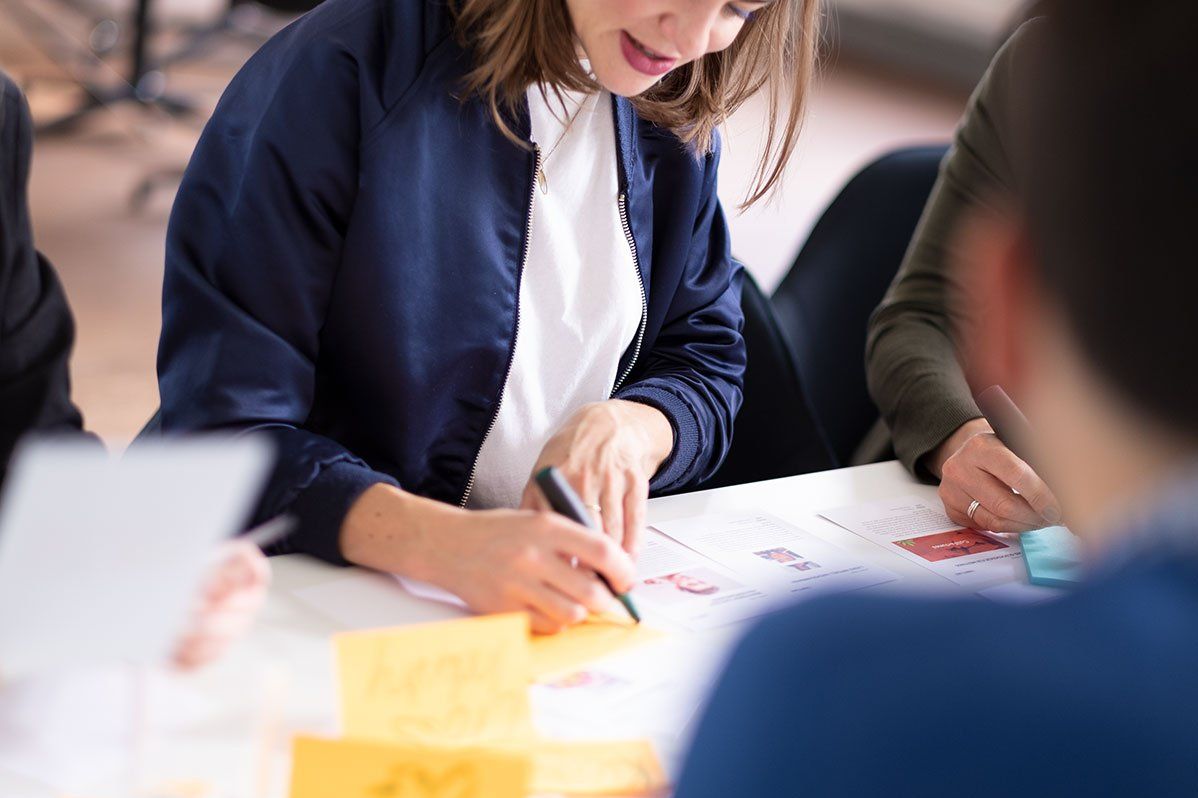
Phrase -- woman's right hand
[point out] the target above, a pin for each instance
(495, 560)
(973, 464)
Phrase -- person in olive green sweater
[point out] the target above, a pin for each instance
(912, 365)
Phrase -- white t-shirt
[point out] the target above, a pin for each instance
(580, 294)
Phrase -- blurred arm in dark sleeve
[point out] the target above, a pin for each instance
(911, 359)
(36, 327)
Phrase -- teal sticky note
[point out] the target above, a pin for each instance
(1053, 557)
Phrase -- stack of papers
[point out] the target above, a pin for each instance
(714, 570)
(443, 709)
(918, 531)
(614, 681)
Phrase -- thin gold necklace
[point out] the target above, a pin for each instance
(542, 179)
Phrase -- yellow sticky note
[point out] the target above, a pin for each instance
(460, 682)
(598, 768)
(599, 636)
(361, 769)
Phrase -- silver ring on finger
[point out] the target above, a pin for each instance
(973, 508)
(596, 509)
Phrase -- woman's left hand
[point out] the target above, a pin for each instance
(608, 451)
(232, 595)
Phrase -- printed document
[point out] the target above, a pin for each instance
(773, 555)
(919, 531)
(678, 584)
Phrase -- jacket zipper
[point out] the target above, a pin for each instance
(636, 264)
(532, 194)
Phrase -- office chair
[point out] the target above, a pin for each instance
(776, 434)
(840, 275)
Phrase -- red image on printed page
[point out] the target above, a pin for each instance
(947, 545)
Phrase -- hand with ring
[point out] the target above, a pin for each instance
(985, 486)
(608, 451)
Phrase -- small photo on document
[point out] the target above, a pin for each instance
(948, 545)
(779, 555)
(688, 585)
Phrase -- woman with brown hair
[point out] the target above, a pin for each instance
(432, 248)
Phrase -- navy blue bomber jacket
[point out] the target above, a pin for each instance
(343, 263)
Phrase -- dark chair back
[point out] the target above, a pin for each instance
(775, 433)
(839, 277)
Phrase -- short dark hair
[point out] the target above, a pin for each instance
(1109, 186)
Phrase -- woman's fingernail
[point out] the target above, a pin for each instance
(1052, 515)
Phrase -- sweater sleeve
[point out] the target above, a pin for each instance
(694, 374)
(911, 358)
(253, 249)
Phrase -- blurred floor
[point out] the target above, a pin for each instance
(110, 256)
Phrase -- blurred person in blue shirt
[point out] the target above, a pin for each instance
(1079, 293)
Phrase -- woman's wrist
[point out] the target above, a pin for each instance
(389, 529)
(934, 461)
(656, 431)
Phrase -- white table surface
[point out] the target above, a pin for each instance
(229, 727)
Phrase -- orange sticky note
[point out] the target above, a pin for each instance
(597, 768)
(360, 769)
(463, 681)
(597, 637)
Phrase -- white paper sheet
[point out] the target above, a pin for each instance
(368, 600)
(656, 693)
(70, 730)
(919, 531)
(774, 555)
(102, 559)
(430, 592)
(92, 731)
(688, 589)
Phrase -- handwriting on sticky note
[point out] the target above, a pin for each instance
(361, 769)
(597, 768)
(578, 645)
(462, 681)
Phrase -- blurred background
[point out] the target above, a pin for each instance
(120, 90)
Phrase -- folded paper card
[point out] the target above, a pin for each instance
(462, 681)
(361, 769)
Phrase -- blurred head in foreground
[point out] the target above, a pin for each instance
(1082, 291)
(1080, 299)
